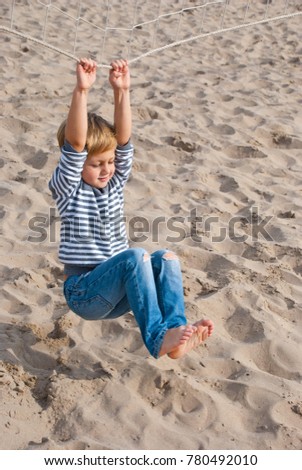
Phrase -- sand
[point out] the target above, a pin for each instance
(217, 178)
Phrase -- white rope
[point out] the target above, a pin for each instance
(212, 33)
(4, 29)
(166, 15)
(10, 30)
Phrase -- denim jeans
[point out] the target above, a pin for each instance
(150, 286)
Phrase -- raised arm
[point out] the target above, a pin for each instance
(76, 126)
(119, 78)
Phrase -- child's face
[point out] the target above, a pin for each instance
(99, 168)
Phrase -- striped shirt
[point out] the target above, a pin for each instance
(92, 220)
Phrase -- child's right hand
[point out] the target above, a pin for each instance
(86, 74)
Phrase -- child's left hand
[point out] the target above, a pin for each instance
(119, 75)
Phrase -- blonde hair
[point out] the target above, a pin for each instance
(100, 134)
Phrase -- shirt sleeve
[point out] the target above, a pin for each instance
(68, 173)
(123, 162)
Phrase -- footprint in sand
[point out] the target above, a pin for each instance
(8, 275)
(218, 270)
(246, 112)
(229, 184)
(16, 125)
(14, 306)
(282, 410)
(274, 358)
(23, 203)
(192, 408)
(49, 444)
(4, 191)
(243, 327)
(241, 151)
(176, 208)
(38, 161)
(222, 129)
(236, 392)
(227, 98)
(182, 143)
(146, 114)
(2, 212)
(284, 141)
(164, 104)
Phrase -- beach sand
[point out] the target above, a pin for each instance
(217, 128)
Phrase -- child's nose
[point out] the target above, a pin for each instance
(105, 168)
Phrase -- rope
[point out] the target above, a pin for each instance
(212, 33)
(5, 29)
(42, 43)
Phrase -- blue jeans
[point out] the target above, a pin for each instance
(150, 286)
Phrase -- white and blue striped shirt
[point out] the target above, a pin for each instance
(92, 220)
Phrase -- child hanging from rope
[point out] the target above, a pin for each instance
(104, 278)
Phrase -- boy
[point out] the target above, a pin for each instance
(104, 278)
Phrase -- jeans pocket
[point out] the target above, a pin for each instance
(94, 308)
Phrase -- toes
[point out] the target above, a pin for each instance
(187, 334)
(190, 329)
(208, 324)
(204, 334)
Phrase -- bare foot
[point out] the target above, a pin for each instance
(203, 329)
(176, 337)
